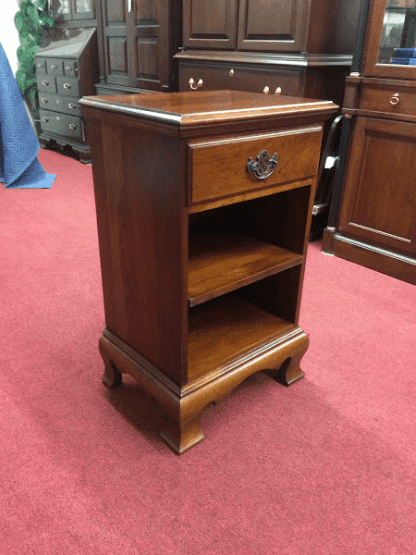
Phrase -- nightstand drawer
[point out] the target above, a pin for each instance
(54, 67)
(68, 86)
(61, 124)
(62, 104)
(398, 100)
(46, 83)
(220, 168)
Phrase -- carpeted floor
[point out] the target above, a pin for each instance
(326, 466)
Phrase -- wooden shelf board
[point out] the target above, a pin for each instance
(221, 264)
(224, 329)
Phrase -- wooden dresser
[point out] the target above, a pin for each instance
(203, 209)
(375, 220)
(66, 70)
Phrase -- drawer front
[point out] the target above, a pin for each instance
(70, 68)
(68, 86)
(218, 169)
(397, 100)
(46, 83)
(40, 65)
(61, 104)
(61, 124)
(229, 77)
(54, 67)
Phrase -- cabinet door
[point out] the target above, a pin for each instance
(149, 44)
(380, 188)
(115, 42)
(272, 26)
(210, 24)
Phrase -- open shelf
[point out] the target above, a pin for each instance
(220, 264)
(225, 328)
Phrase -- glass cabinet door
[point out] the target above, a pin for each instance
(83, 8)
(391, 39)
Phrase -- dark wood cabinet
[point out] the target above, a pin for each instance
(298, 47)
(138, 40)
(376, 219)
(203, 209)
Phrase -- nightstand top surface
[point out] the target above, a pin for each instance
(190, 108)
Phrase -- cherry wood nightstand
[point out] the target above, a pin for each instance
(203, 208)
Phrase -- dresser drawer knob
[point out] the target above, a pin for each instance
(266, 90)
(67, 86)
(72, 126)
(197, 86)
(394, 100)
(264, 165)
(44, 100)
(278, 91)
(231, 73)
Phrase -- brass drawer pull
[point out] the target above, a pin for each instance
(266, 90)
(264, 166)
(394, 100)
(278, 91)
(194, 87)
(72, 126)
(72, 106)
(67, 86)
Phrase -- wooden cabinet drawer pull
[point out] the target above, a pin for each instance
(197, 86)
(394, 100)
(264, 165)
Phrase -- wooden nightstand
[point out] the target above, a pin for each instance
(203, 207)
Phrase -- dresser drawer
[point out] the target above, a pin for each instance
(54, 67)
(70, 68)
(218, 168)
(235, 77)
(68, 86)
(62, 104)
(46, 83)
(392, 100)
(40, 65)
(61, 124)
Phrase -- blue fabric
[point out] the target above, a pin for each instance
(19, 145)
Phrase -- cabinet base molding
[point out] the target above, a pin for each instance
(385, 261)
(183, 405)
(82, 150)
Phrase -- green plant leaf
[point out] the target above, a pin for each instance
(21, 80)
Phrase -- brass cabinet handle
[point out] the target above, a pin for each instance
(266, 90)
(231, 73)
(278, 91)
(67, 86)
(72, 126)
(394, 100)
(72, 106)
(264, 165)
(194, 87)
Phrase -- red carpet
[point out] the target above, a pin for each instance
(327, 466)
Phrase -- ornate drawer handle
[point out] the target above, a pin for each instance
(266, 90)
(197, 86)
(394, 100)
(46, 83)
(264, 165)
(67, 86)
(72, 126)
